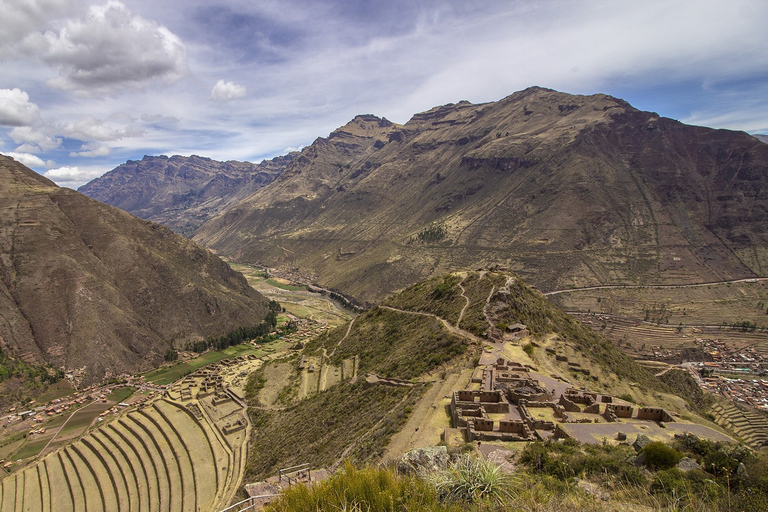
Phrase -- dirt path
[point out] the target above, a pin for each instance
(349, 329)
(366, 434)
(429, 418)
(640, 287)
(463, 294)
(446, 323)
(61, 428)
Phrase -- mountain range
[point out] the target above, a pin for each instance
(565, 190)
(86, 286)
(182, 192)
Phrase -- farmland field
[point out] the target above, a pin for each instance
(673, 317)
(296, 300)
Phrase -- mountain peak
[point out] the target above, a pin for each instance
(560, 188)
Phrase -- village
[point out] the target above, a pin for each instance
(739, 375)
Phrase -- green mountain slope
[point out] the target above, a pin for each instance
(411, 338)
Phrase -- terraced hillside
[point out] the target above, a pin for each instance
(749, 424)
(160, 457)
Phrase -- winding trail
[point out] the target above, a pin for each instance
(365, 434)
(651, 286)
(349, 329)
(455, 330)
(463, 294)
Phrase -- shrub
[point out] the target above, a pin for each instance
(366, 489)
(473, 479)
(660, 456)
(528, 349)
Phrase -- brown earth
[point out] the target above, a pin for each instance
(565, 190)
(85, 285)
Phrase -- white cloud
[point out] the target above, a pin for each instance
(225, 91)
(91, 150)
(27, 159)
(73, 177)
(33, 140)
(23, 17)
(112, 47)
(88, 128)
(16, 109)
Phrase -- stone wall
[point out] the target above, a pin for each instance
(653, 414)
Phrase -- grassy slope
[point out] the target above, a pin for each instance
(440, 296)
(404, 345)
(319, 428)
(393, 344)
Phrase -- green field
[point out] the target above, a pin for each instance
(296, 300)
(284, 286)
(163, 376)
(30, 449)
(120, 394)
(58, 390)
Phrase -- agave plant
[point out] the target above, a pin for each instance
(472, 479)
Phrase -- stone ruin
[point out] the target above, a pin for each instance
(508, 388)
(231, 428)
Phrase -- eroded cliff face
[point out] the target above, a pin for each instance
(565, 190)
(85, 285)
(182, 192)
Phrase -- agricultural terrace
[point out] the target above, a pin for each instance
(184, 449)
(672, 317)
(139, 447)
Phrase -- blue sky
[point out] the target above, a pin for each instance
(88, 85)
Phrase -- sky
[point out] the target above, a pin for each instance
(86, 85)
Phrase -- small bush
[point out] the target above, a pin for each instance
(366, 489)
(528, 349)
(660, 456)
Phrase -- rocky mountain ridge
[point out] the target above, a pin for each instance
(565, 190)
(84, 285)
(182, 192)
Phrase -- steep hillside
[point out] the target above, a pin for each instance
(412, 339)
(564, 190)
(182, 192)
(85, 285)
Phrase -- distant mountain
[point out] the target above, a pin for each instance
(181, 192)
(564, 190)
(761, 137)
(85, 285)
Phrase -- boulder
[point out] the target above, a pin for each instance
(423, 460)
(641, 442)
(687, 464)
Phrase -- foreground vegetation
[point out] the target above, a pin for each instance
(555, 476)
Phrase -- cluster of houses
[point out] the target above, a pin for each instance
(740, 375)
